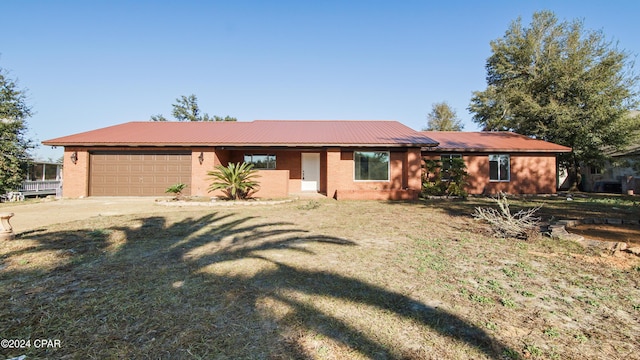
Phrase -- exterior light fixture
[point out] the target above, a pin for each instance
(74, 157)
(201, 158)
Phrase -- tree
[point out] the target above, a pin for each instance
(186, 109)
(558, 82)
(14, 145)
(443, 118)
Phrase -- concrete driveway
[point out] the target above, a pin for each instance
(35, 214)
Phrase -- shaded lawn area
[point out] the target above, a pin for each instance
(580, 206)
(312, 280)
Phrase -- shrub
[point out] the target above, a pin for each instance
(236, 180)
(176, 189)
(449, 180)
(432, 180)
(521, 225)
(456, 178)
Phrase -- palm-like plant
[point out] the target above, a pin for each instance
(176, 189)
(236, 180)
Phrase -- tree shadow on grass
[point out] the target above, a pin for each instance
(451, 206)
(579, 206)
(216, 286)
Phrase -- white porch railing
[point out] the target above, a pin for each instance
(41, 187)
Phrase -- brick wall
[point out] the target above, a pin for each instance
(76, 176)
(200, 181)
(404, 177)
(341, 170)
(273, 184)
(285, 160)
(414, 169)
(336, 172)
(533, 173)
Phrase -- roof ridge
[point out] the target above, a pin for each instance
(321, 120)
(254, 133)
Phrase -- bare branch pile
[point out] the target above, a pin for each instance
(521, 225)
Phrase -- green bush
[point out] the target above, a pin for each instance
(236, 180)
(449, 180)
(176, 189)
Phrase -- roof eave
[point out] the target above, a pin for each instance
(486, 150)
(111, 144)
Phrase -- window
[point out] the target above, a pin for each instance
(51, 172)
(36, 172)
(445, 159)
(261, 161)
(371, 165)
(499, 167)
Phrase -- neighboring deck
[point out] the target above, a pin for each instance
(41, 188)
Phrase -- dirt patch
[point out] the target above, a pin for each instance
(34, 214)
(620, 261)
(606, 232)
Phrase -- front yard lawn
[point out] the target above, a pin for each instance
(315, 279)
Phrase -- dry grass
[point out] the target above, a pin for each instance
(313, 280)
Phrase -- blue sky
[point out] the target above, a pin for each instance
(91, 64)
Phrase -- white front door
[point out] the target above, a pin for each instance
(310, 172)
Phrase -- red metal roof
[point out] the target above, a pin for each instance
(255, 133)
(484, 141)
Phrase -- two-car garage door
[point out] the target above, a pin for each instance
(137, 173)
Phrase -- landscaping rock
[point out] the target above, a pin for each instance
(569, 223)
(557, 230)
(573, 237)
(21, 357)
(595, 244)
(223, 203)
(560, 232)
(618, 247)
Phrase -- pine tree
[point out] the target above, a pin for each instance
(14, 145)
(443, 118)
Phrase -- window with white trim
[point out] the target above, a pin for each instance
(371, 165)
(261, 161)
(499, 167)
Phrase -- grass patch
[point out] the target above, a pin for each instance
(532, 350)
(508, 303)
(348, 280)
(481, 299)
(551, 332)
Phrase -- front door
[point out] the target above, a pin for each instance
(310, 172)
